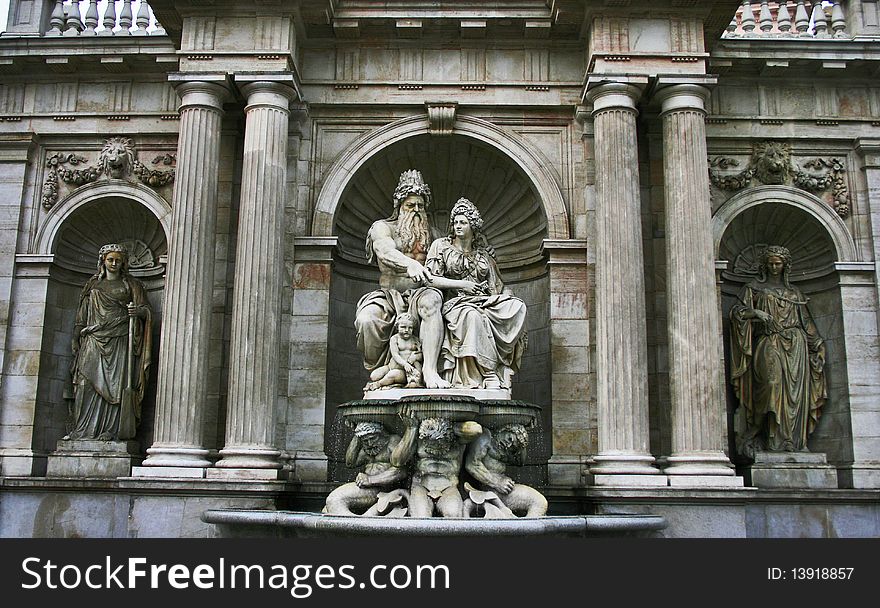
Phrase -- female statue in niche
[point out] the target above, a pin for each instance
(778, 358)
(485, 328)
(111, 348)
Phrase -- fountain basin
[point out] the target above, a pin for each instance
(242, 523)
(451, 405)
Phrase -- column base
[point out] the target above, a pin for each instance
(715, 464)
(624, 463)
(249, 458)
(160, 456)
(711, 469)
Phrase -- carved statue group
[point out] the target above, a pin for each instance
(111, 348)
(439, 320)
(432, 455)
(470, 333)
(777, 360)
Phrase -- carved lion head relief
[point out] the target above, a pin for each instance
(772, 162)
(117, 157)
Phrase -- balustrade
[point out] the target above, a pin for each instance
(103, 18)
(801, 19)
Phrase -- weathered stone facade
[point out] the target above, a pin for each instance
(630, 159)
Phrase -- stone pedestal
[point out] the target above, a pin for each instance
(93, 458)
(621, 341)
(792, 470)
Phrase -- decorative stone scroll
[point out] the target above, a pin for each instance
(771, 164)
(441, 117)
(116, 160)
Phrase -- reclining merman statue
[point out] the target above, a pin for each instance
(371, 448)
(486, 461)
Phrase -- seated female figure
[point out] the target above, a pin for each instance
(485, 328)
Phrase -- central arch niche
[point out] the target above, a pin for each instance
(514, 222)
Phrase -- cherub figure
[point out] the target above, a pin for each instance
(405, 366)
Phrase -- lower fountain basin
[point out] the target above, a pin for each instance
(248, 523)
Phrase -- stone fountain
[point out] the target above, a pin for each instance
(437, 428)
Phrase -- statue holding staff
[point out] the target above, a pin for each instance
(111, 347)
(778, 360)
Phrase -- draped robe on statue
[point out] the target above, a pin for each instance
(484, 333)
(100, 365)
(777, 368)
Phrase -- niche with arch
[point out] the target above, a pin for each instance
(75, 244)
(515, 224)
(814, 254)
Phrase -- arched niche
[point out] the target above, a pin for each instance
(818, 239)
(516, 223)
(72, 233)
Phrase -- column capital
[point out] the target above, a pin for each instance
(268, 89)
(209, 90)
(683, 93)
(614, 93)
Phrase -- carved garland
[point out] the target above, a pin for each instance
(117, 160)
(771, 163)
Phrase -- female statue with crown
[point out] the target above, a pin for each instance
(485, 327)
(111, 348)
(778, 360)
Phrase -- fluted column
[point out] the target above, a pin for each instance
(183, 358)
(621, 344)
(695, 351)
(256, 311)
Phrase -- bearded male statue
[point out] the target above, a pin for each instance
(399, 246)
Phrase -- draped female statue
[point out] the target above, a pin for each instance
(111, 347)
(485, 328)
(778, 358)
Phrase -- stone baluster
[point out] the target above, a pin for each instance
(109, 19)
(820, 21)
(765, 17)
(143, 19)
(256, 309)
(159, 31)
(74, 20)
(731, 28)
(838, 21)
(695, 350)
(783, 19)
(801, 19)
(91, 20)
(125, 19)
(56, 20)
(621, 343)
(748, 19)
(181, 395)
